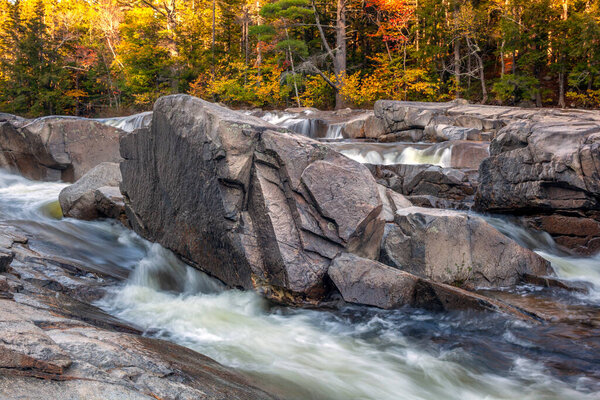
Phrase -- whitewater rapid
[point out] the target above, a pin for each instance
(352, 353)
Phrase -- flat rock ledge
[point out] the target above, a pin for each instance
(55, 345)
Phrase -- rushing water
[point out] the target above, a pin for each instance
(396, 153)
(352, 353)
(129, 123)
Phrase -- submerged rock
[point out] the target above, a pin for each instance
(56, 148)
(88, 198)
(372, 283)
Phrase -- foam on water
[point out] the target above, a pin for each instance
(568, 267)
(302, 354)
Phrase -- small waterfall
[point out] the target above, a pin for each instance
(300, 123)
(277, 118)
(334, 132)
(302, 126)
(566, 267)
(384, 154)
(129, 123)
(441, 157)
(160, 269)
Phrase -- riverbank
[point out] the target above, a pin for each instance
(467, 304)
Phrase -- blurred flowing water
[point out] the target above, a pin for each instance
(351, 353)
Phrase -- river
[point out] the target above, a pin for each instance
(351, 353)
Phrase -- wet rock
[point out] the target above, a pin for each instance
(372, 283)
(456, 248)
(469, 155)
(438, 122)
(78, 360)
(85, 200)
(56, 148)
(443, 133)
(356, 128)
(268, 210)
(6, 257)
(110, 203)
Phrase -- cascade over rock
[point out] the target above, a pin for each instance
(261, 208)
(548, 169)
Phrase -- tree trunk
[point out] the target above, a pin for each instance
(339, 62)
(457, 66)
(212, 43)
(561, 88)
(503, 66)
(293, 69)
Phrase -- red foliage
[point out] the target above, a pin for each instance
(395, 16)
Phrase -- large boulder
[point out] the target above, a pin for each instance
(545, 167)
(56, 148)
(456, 248)
(91, 196)
(261, 208)
(255, 207)
(372, 283)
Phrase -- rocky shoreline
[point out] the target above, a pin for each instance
(287, 215)
(54, 343)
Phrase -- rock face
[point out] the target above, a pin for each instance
(547, 168)
(56, 148)
(89, 198)
(428, 183)
(456, 248)
(265, 209)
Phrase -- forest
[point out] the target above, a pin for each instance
(115, 57)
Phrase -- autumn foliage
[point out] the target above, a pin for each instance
(108, 57)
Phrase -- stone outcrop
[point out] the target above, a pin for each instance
(438, 122)
(547, 168)
(429, 183)
(56, 148)
(95, 195)
(456, 248)
(264, 209)
(543, 163)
